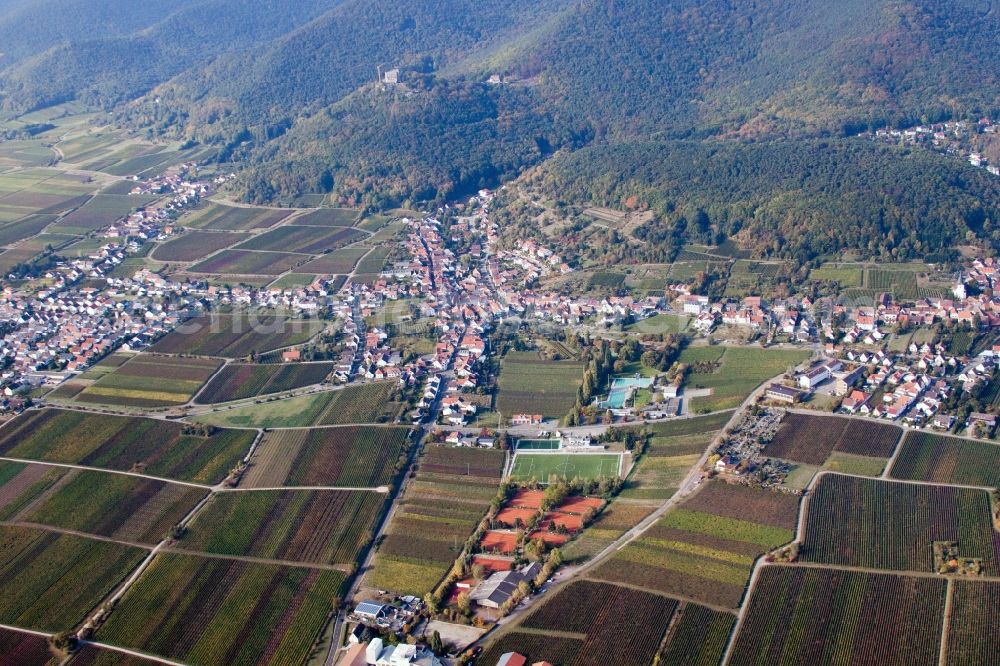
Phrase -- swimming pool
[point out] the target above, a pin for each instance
(631, 382)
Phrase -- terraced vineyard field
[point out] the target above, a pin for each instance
(926, 456)
(237, 335)
(51, 581)
(319, 526)
(216, 612)
(442, 506)
(818, 616)
(809, 439)
(705, 548)
(238, 381)
(159, 448)
(350, 456)
(892, 525)
(113, 505)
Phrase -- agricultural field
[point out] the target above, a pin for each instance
(847, 275)
(738, 372)
(584, 607)
(216, 612)
(941, 459)
(51, 581)
(349, 456)
(293, 281)
(373, 262)
(892, 525)
(302, 240)
(316, 526)
(101, 211)
(238, 381)
(340, 261)
(363, 403)
(699, 637)
(156, 447)
(705, 548)
(544, 466)
(17, 647)
(530, 385)
(442, 506)
(661, 323)
(975, 615)
(217, 217)
(237, 335)
(809, 439)
(668, 458)
(606, 280)
(121, 507)
(248, 262)
(329, 217)
(150, 380)
(610, 525)
(819, 616)
(196, 245)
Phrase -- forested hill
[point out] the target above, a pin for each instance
(794, 199)
(288, 86)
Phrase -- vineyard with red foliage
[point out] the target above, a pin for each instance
(802, 616)
(892, 525)
(811, 439)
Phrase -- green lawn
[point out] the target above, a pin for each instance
(564, 465)
(739, 372)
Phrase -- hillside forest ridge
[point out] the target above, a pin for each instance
(433, 333)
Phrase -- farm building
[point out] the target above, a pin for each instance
(498, 588)
(370, 612)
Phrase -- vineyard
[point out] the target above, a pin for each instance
(349, 456)
(21, 648)
(158, 448)
(112, 505)
(318, 526)
(248, 262)
(974, 621)
(530, 385)
(340, 261)
(149, 380)
(231, 218)
(599, 611)
(561, 650)
(820, 616)
(215, 612)
(50, 581)
(669, 457)
(196, 245)
(240, 381)
(367, 403)
(941, 459)
(698, 637)
(705, 549)
(302, 240)
(330, 217)
(811, 439)
(891, 525)
(236, 335)
(450, 495)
